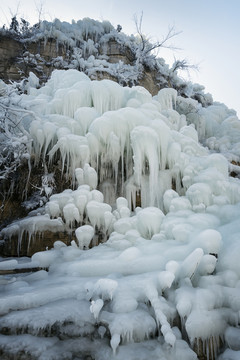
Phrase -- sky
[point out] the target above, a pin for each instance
(209, 32)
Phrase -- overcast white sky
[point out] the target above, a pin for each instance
(210, 31)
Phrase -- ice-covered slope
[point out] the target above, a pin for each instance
(166, 279)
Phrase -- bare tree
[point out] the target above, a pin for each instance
(14, 25)
(39, 9)
(15, 13)
(146, 46)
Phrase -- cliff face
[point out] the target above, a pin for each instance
(10, 49)
(18, 58)
(106, 55)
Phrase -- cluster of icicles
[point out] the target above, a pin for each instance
(129, 288)
(114, 143)
(135, 142)
(137, 146)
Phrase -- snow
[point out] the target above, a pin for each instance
(8, 264)
(232, 336)
(153, 219)
(230, 355)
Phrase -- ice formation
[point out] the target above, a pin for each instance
(165, 278)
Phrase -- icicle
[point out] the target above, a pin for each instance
(115, 341)
(74, 152)
(161, 319)
(105, 288)
(163, 132)
(96, 307)
(145, 145)
(71, 214)
(84, 236)
(95, 212)
(49, 130)
(90, 176)
(167, 98)
(85, 116)
(149, 221)
(52, 207)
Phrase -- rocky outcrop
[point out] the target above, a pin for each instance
(148, 82)
(116, 52)
(10, 49)
(38, 242)
(18, 58)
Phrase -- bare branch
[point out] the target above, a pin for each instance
(14, 14)
(146, 46)
(183, 65)
(170, 34)
(39, 9)
(6, 17)
(138, 25)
